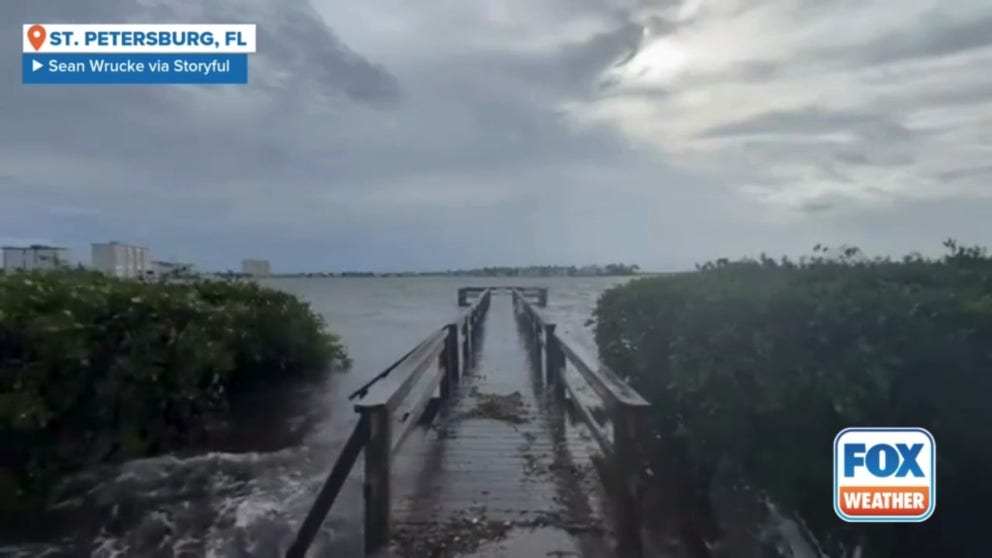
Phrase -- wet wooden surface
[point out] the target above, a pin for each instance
(509, 478)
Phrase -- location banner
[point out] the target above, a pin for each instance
(136, 54)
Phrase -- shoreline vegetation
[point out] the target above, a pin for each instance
(95, 369)
(753, 366)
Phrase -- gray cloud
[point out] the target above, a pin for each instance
(375, 134)
(800, 102)
(812, 120)
(933, 35)
(195, 134)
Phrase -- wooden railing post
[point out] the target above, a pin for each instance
(555, 362)
(473, 332)
(444, 387)
(550, 355)
(451, 348)
(378, 465)
(628, 424)
(332, 486)
(535, 331)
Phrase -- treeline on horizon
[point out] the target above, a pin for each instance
(609, 270)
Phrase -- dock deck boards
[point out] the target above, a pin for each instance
(518, 489)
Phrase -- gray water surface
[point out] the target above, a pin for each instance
(249, 503)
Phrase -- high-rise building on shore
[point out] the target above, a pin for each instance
(121, 260)
(35, 256)
(256, 268)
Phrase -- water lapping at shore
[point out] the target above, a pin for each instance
(215, 504)
(240, 503)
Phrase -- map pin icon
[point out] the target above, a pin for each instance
(36, 36)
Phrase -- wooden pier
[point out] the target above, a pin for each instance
(539, 293)
(492, 401)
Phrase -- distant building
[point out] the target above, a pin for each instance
(121, 260)
(256, 268)
(35, 257)
(171, 269)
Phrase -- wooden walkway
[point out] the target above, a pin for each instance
(470, 446)
(499, 471)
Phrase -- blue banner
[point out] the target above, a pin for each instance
(135, 69)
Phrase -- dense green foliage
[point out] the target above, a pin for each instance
(754, 366)
(94, 368)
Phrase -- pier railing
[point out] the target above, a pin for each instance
(387, 413)
(625, 410)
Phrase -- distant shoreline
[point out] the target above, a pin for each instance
(611, 270)
(318, 275)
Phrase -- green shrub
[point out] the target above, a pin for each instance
(94, 368)
(756, 365)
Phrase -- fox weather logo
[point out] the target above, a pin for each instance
(884, 475)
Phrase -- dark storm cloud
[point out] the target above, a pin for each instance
(315, 52)
(374, 133)
(933, 35)
(324, 147)
(962, 174)
(817, 107)
(237, 137)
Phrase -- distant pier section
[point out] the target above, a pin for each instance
(538, 294)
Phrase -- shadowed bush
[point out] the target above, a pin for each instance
(94, 369)
(754, 366)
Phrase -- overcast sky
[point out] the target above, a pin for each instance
(390, 134)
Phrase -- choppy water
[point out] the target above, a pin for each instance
(249, 503)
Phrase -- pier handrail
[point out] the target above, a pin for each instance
(625, 408)
(386, 415)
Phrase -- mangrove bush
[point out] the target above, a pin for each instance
(94, 368)
(753, 366)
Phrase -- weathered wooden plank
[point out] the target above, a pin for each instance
(411, 415)
(378, 469)
(607, 385)
(410, 370)
(481, 467)
(597, 431)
